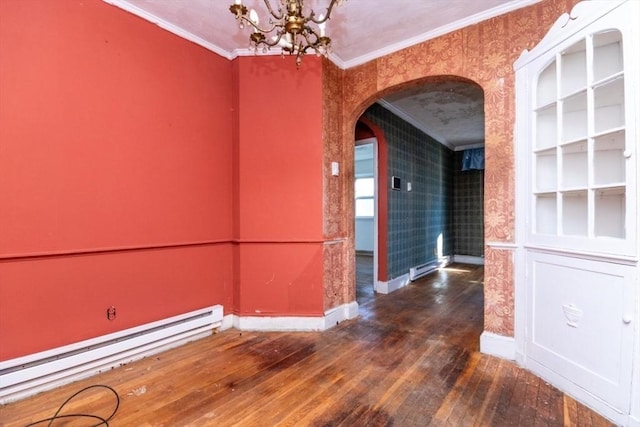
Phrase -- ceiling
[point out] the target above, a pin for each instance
(361, 30)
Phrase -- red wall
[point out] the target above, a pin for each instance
(115, 139)
(278, 182)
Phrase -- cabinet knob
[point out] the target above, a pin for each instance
(627, 154)
(626, 319)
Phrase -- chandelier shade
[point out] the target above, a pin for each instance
(288, 28)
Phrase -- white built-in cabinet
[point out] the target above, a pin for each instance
(577, 292)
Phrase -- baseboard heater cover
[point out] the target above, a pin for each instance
(423, 269)
(25, 376)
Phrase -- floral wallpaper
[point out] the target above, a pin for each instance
(483, 53)
(339, 258)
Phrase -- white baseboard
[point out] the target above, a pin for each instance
(498, 345)
(634, 422)
(393, 284)
(336, 315)
(468, 259)
(34, 373)
(331, 318)
(227, 322)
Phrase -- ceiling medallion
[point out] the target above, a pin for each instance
(288, 28)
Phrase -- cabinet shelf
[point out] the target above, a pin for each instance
(546, 127)
(609, 105)
(575, 209)
(610, 207)
(614, 130)
(575, 116)
(546, 94)
(609, 79)
(573, 68)
(546, 170)
(607, 54)
(579, 184)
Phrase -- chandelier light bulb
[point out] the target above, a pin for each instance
(322, 26)
(296, 32)
(253, 16)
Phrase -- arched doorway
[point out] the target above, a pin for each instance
(426, 210)
(483, 53)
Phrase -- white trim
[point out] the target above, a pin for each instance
(567, 25)
(376, 208)
(392, 285)
(336, 315)
(578, 393)
(498, 345)
(468, 259)
(502, 245)
(280, 323)
(276, 51)
(331, 318)
(468, 146)
(228, 322)
(417, 124)
(591, 256)
(31, 374)
(180, 32)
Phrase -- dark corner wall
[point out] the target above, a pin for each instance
(468, 210)
(419, 218)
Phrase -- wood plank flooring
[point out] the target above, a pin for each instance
(410, 359)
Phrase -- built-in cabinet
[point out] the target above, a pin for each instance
(577, 142)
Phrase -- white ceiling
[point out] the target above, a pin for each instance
(361, 30)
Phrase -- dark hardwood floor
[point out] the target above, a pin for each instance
(410, 359)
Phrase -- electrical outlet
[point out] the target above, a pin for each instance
(111, 313)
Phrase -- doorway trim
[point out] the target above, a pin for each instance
(380, 270)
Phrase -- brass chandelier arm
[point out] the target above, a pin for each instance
(280, 15)
(310, 32)
(288, 28)
(274, 42)
(258, 27)
(327, 15)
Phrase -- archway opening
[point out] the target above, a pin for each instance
(430, 210)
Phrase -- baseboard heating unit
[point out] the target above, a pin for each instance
(24, 376)
(423, 269)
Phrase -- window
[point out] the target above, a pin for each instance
(364, 197)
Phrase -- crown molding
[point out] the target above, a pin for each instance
(124, 5)
(339, 62)
(471, 20)
(407, 118)
(469, 146)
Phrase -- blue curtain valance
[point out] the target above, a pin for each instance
(473, 159)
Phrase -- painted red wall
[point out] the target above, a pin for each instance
(278, 181)
(115, 139)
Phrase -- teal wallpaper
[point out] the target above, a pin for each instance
(424, 215)
(468, 210)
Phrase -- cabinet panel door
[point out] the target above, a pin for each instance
(580, 322)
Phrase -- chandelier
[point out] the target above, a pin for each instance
(288, 28)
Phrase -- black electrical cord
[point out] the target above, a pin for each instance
(57, 415)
